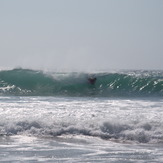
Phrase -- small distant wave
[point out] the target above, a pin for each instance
(26, 82)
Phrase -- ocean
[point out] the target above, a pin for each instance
(60, 117)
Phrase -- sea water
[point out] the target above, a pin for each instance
(61, 117)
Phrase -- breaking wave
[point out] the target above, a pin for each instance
(26, 82)
(141, 132)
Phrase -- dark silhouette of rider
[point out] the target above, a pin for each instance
(92, 80)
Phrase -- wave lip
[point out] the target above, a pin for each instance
(28, 82)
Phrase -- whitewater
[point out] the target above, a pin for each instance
(61, 117)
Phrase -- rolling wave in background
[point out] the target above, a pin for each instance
(26, 82)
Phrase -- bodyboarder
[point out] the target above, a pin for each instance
(92, 80)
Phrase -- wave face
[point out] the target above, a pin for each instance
(26, 82)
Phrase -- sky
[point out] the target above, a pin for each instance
(81, 34)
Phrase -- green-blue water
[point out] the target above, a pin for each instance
(130, 83)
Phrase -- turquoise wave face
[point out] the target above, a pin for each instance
(28, 82)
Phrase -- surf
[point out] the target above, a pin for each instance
(28, 82)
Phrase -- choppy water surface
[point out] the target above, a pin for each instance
(81, 129)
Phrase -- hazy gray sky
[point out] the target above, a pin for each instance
(81, 34)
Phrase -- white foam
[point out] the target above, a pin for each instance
(123, 120)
